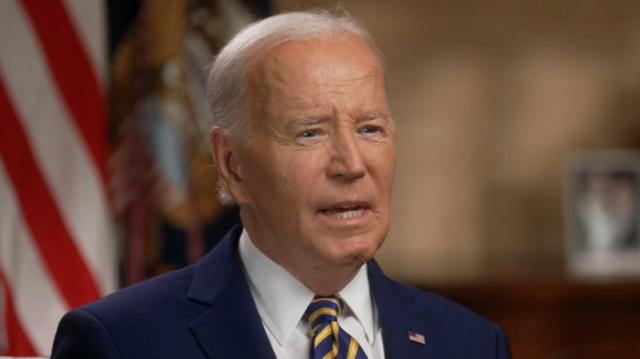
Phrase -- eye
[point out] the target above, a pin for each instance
(309, 133)
(370, 129)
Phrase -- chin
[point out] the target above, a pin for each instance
(358, 253)
(361, 257)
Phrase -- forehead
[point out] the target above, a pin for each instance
(296, 69)
(305, 54)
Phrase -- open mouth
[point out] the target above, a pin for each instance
(346, 211)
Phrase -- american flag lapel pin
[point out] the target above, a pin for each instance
(417, 338)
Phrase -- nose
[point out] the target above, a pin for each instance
(347, 161)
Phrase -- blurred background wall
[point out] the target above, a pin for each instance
(492, 98)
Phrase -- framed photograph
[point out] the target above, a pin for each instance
(603, 214)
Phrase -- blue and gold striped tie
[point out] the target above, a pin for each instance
(329, 340)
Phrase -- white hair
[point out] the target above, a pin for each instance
(227, 75)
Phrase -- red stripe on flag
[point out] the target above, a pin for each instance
(73, 74)
(19, 343)
(61, 256)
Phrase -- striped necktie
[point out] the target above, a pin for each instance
(329, 340)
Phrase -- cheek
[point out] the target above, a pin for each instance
(389, 165)
(302, 177)
(383, 165)
(266, 181)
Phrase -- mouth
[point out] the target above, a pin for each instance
(346, 211)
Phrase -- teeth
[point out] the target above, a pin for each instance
(346, 213)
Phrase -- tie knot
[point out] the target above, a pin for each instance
(323, 309)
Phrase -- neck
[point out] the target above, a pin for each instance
(323, 277)
(327, 283)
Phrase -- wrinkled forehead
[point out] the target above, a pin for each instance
(293, 67)
(334, 49)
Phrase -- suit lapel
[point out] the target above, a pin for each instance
(397, 318)
(231, 327)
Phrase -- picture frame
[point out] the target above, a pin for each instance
(603, 214)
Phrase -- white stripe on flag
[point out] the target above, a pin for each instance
(88, 17)
(38, 304)
(59, 150)
(6, 14)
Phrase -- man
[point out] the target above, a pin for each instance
(304, 143)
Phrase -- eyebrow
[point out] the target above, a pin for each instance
(372, 116)
(315, 120)
(305, 121)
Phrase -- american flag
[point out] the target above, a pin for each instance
(57, 240)
(417, 338)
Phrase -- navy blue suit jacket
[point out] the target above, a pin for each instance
(206, 311)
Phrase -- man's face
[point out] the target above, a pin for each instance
(316, 171)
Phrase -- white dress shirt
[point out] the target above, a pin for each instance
(282, 299)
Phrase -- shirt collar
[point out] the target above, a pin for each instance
(357, 297)
(282, 299)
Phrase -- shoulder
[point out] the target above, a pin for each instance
(421, 304)
(457, 326)
(153, 318)
(146, 315)
(179, 294)
(150, 319)
(82, 335)
(116, 325)
(440, 308)
(146, 299)
(452, 329)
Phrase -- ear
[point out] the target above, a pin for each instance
(226, 157)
